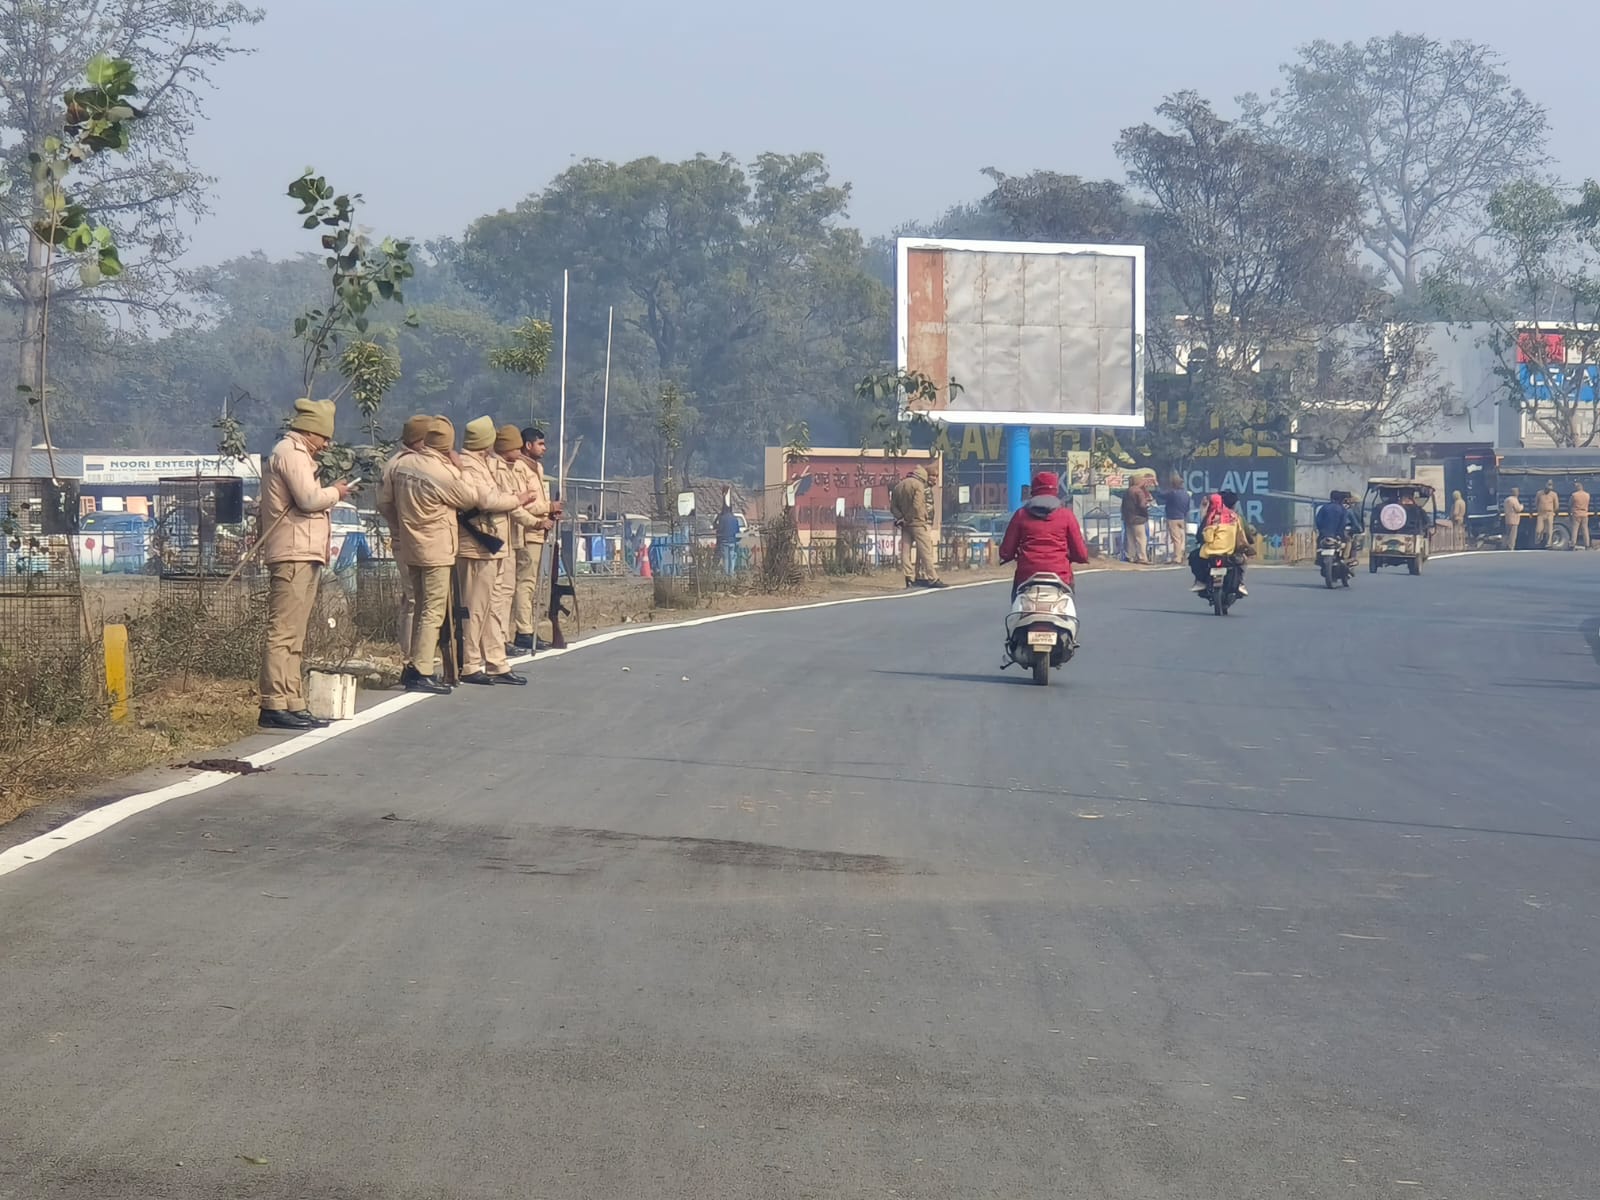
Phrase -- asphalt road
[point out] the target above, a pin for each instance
(1299, 903)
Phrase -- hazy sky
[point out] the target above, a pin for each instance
(473, 104)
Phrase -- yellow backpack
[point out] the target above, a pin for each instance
(1219, 540)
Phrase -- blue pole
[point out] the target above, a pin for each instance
(1019, 464)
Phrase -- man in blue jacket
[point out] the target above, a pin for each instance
(1337, 519)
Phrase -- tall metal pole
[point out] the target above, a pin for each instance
(561, 424)
(605, 412)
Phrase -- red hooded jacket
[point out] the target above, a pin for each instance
(1043, 536)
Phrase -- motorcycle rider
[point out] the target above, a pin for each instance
(1336, 519)
(1043, 536)
(1220, 510)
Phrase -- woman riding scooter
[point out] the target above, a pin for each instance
(1043, 536)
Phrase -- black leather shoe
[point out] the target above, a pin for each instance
(311, 722)
(523, 641)
(408, 675)
(510, 677)
(278, 719)
(482, 677)
(430, 684)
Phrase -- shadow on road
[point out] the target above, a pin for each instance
(1011, 680)
(1235, 810)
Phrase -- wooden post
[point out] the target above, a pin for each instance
(115, 639)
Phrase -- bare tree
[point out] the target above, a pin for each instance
(1253, 253)
(1429, 129)
(144, 195)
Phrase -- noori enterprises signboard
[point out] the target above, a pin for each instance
(148, 468)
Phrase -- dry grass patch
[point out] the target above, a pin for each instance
(44, 763)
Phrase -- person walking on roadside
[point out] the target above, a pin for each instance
(1545, 507)
(480, 551)
(1511, 511)
(295, 532)
(1458, 520)
(728, 538)
(528, 467)
(1578, 506)
(1175, 499)
(412, 434)
(911, 505)
(1136, 521)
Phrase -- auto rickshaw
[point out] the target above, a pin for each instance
(1398, 515)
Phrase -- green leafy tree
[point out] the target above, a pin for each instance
(526, 354)
(95, 121)
(143, 195)
(361, 274)
(741, 287)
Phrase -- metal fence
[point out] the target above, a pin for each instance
(44, 647)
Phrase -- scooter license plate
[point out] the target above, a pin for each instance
(1038, 638)
(1219, 572)
(1325, 553)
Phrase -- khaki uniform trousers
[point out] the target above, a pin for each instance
(291, 595)
(1580, 531)
(1139, 542)
(1544, 529)
(919, 554)
(430, 593)
(1511, 531)
(484, 635)
(524, 608)
(505, 593)
(1178, 538)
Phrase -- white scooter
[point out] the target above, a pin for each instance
(1042, 626)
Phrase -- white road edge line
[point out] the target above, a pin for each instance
(99, 820)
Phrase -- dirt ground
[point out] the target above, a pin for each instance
(174, 720)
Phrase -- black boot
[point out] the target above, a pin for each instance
(277, 719)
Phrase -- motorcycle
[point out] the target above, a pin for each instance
(1332, 562)
(1042, 626)
(1222, 585)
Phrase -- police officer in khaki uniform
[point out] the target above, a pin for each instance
(1512, 511)
(484, 656)
(1578, 505)
(911, 505)
(1545, 507)
(295, 531)
(428, 493)
(411, 439)
(528, 528)
(1458, 520)
(531, 527)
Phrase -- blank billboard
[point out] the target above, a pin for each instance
(1035, 333)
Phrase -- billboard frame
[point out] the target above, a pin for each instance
(958, 416)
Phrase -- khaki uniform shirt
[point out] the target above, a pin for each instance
(428, 493)
(293, 522)
(484, 473)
